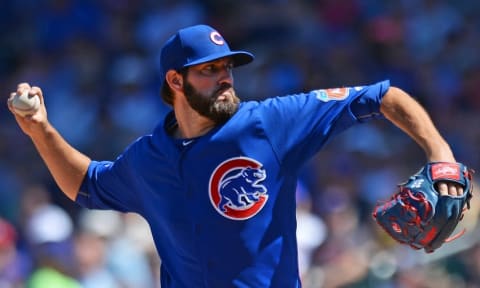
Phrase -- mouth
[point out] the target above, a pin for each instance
(224, 95)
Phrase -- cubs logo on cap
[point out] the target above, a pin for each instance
(236, 190)
(217, 38)
(195, 45)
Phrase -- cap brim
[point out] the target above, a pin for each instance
(239, 58)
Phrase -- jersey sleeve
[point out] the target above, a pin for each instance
(109, 185)
(299, 125)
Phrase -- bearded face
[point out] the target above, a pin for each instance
(218, 106)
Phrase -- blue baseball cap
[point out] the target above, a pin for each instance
(195, 45)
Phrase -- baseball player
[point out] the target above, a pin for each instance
(216, 179)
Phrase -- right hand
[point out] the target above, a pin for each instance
(31, 123)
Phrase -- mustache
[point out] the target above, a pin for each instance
(222, 88)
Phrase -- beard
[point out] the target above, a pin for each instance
(208, 105)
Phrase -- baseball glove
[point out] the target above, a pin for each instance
(417, 215)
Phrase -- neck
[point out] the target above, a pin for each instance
(190, 123)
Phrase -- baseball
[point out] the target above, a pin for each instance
(25, 104)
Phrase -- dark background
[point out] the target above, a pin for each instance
(97, 63)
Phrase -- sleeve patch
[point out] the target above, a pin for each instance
(334, 94)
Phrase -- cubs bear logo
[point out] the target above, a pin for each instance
(235, 188)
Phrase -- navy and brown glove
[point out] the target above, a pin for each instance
(417, 215)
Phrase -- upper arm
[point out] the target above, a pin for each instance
(111, 184)
(299, 125)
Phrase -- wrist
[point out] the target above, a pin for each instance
(41, 130)
(441, 153)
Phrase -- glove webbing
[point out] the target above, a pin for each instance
(406, 196)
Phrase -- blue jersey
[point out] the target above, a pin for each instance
(221, 207)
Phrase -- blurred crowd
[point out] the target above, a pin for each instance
(97, 63)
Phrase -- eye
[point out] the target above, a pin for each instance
(209, 69)
(214, 68)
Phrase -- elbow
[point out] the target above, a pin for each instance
(71, 193)
(392, 99)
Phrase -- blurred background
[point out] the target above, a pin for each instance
(97, 62)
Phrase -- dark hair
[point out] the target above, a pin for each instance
(166, 91)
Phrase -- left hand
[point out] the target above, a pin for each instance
(449, 188)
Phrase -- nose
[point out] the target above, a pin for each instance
(226, 75)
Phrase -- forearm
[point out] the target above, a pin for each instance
(66, 164)
(408, 115)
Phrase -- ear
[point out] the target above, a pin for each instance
(174, 80)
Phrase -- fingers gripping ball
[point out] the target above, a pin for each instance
(417, 215)
(25, 104)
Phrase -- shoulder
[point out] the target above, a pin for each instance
(276, 101)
